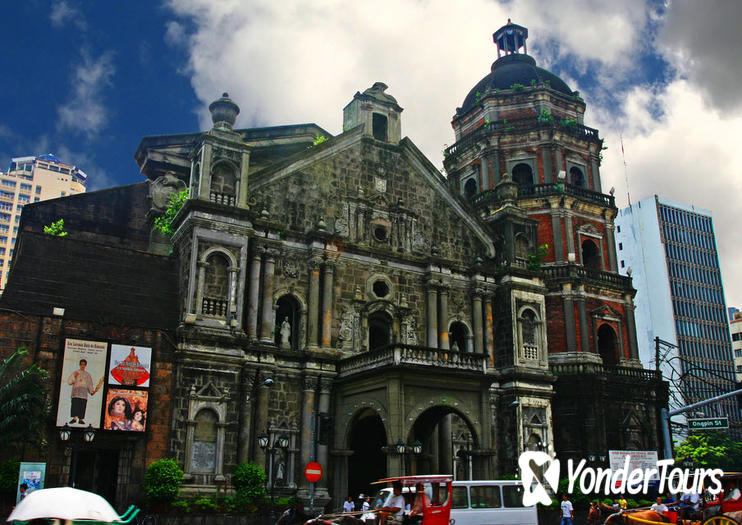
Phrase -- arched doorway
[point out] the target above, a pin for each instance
(440, 430)
(459, 336)
(288, 309)
(368, 462)
(523, 175)
(576, 178)
(607, 347)
(591, 255)
(470, 188)
(379, 330)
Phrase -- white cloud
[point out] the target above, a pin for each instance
(85, 111)
(63, 14)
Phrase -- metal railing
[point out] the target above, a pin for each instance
(576, 271)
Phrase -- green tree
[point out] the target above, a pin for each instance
(712, 449)
(164, 224)
(22, 399)
(249, 482)
(162, 481)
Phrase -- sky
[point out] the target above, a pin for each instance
(87, 80)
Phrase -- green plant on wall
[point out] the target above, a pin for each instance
(56, 228)
(536, 259)
(569, 123)
(318, 139)
(164, 224)
(545, 117)
(517, 87)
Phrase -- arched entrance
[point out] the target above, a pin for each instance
(447, 441)
(379, 330)
(607, 345)
(368, 462)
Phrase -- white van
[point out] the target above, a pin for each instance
(491, 503)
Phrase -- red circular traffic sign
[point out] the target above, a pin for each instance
(313, 471)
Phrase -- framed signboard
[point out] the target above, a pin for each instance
(83, 373)
(125, 410)
(130, 365)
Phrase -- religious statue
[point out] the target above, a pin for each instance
(285, 332)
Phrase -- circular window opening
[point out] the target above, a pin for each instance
(381, 289)
(380, 233)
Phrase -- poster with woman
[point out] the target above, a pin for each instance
(125, 410)
(129, 365)
(83, 373)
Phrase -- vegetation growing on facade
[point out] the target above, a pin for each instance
(319, 139)
(536, 259)
(517, 87)
(164, 224)
(545, 117)
(56, 228)
(569, 123)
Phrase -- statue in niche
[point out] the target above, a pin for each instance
(285, 333)
(455, 346)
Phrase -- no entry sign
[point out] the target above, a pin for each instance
(313, 471)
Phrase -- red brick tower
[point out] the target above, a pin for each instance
(523, 123)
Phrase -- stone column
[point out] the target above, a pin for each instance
(489, 339)
(200, 288)
(432, 316)
(631, 327)
(478, 332)
(204, 182)
(253, 297)
(556, 227)
(570, 234)
(443, 321)
(313, 306)
(327, 306)
(584, 333)
(444, 444)
(611, 240)
(232, 306)
(247, 383)
(569, 317)
(261, 422)
(268, 318)
(307, 436)
(322, 450)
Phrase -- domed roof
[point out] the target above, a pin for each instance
(512, 69)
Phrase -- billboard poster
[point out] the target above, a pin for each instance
(637, 459)
(83, 373)
(30, 477)
(125, 410)
(130, 365)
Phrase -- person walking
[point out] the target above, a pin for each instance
(567, 511)
(349, 506)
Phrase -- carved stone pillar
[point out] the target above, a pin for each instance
(247, 383)
(569, 317)
(570, 234)
(232, 306)
(611, 241)
(478, 332)
(307, 428)
(322, 450)
(443, 321)
(631, 327)
(253, 297)
(432, 316)
(313, 307)
(261, 421)
(200, 287)
(489, 337)
(582, 313)
(268, 318)
(327, 306)
(444, 444)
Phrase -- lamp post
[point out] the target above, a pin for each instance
(279, 443)
(68, 436)
(402, 449)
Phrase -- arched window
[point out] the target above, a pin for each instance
(529, 332)
(607, 347)
(591, 255)
(576, 177)
(523, 175)
(459, 337)
(379, 330)
(287, 322)
(216, 286)
(470, 188)
(521, 247)
(203, 448)
(223, 184)
(534, 442)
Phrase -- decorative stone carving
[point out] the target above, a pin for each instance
(163, 188)
(349, 333)
(409, 336)
(289, 267)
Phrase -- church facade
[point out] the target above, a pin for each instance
(381, 317)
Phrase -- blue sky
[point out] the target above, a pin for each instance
(86, 80)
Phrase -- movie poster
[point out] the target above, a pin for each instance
(80, 392)
(125, 410)
(31, 475)
(130, 365)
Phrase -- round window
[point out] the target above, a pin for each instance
(381, 289)
(381, 234)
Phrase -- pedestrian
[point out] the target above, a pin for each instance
(368, 517)
(567, 511)
(349, 506)
(593, 515)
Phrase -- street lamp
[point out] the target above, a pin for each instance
(279, 443)
(417, 447)
(67, 436)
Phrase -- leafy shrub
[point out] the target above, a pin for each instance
(204, 505)
(9, 476)
(56, 228)
(164, 224)
(180, 506)
(162, 481)
(249, 482)
(517, 87)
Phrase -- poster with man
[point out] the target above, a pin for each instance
(130, 365)
(83, 373)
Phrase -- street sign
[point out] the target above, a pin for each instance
(709, 423)
(313, 471)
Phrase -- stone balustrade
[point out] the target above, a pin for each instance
(420, 356)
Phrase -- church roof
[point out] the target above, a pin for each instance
(512, 69)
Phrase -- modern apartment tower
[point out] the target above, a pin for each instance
(735, 327)
(31, 179)
(670, 251)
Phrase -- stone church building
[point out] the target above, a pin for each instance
(383, 317)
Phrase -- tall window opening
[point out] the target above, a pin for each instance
(223, 184)
(576, 177)
(216, 286)
(523, 175)
(459, 336)
(470, 188)
(203, 450)
(529, 334)
(591, 255)
(379, 330)
(607, 347)
(380, 127)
